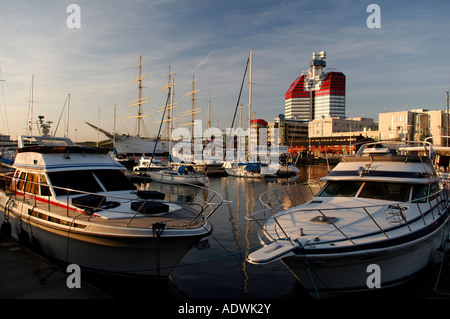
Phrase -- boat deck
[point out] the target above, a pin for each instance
(174, 219)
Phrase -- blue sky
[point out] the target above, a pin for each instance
(405, 62)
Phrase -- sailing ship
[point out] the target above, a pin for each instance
(171, 174)
(132, 146)
(210, 167)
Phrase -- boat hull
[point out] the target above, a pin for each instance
(325, 275)
(177, 179)
(133, 145)
(210, 169)
(242, 173)
(285, 170)
(144, 254)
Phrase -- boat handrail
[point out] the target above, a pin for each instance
(376, 146)
(312, 189)
(395, 212)
(198, 197)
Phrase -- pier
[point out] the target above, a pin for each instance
(27, 275)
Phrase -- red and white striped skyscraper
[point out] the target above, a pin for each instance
(316, 93)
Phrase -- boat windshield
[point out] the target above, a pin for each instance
(91, 181)
(341, 188)
(387, 191)
(375, 190)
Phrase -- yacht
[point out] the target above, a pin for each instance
(147, 163)
(75, 205)
(181, 175)
(376, 223)
(286, 169)
(208, 167)
(250, 169)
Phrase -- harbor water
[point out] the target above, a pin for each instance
(221, 271)
(216, 268)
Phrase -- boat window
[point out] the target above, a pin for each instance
(340, 188)
(32, 184)
(114, 180)
(420, 192)
(386, 191)
(29, 141)
(45, 191)
(21, 180)
(77, 180)
(434, 190)
(52, 141)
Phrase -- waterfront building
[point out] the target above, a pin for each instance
(287, 130)
(338, 126)
(316, 93)
(414, 125)
(258, 134)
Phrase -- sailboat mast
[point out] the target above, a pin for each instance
(170, 122)
(114, 129)
(68, 115)
(140, 97)
(193, 110)
(192, 114)
(141, 100)
(250, 103)
(209, 110)
(30, 107)
(169, 84)
(250, 90)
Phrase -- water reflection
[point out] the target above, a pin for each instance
(217, 269)
(222, 270)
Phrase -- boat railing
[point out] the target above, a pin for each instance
(201, 201)
(396, 213)
(284, 197)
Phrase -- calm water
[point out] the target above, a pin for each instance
(219, 271)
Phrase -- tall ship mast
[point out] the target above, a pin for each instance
(193, 109)
(141, 100)
(127, 145)
(169, 115)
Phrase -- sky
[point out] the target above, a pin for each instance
(402, 64)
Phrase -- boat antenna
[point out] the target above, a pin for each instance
(62, 112)
(29, 125)
(5, 117)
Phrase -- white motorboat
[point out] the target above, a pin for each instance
(184, 174)
(210, 168)
(286, 169)
(146, 164)
(250, 169)
(74, 204)
(375, 224)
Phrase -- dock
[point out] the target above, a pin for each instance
(26, 275)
